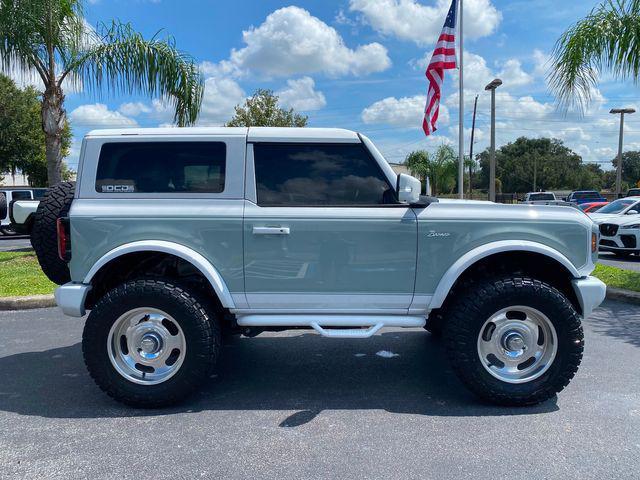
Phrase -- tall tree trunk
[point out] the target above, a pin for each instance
(53, 120)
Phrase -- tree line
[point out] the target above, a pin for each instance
(527, 164)
(22, 141)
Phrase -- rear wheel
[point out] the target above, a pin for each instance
(514, 341)
(150, 343)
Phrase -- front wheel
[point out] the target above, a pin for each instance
(513, 341)
(150, 343)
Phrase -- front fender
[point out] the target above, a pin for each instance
(473, 256)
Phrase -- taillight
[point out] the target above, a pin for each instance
(594, 242)
(64, 240)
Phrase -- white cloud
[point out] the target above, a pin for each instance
(605, 153)
(402, 112)
(220, 96)
(410, 20)
(133, 109)
(291, 41)
(573, 134)
(477, 74)
(301, 95)
(541, 63)
(513, 75)
(99, 115)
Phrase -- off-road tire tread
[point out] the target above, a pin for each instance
(44, 236)
(460, 336)
(175, 389)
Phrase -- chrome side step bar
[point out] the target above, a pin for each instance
(325, 325)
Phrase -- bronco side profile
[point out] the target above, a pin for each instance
(171, 237)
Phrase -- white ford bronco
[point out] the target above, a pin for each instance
(173, 237)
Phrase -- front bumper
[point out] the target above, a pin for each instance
(70, 297)
(590, 292)
(623, 240)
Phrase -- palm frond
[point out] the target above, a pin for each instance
(33, 34)
(607, 39)
(121, 60)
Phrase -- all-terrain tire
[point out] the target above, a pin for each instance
(476, 302)
(201, 330)
(44, 236)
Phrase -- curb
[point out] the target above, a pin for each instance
(623, 295)
(27, 303)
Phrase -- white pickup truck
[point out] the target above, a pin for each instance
(17, 209)
(544, 198)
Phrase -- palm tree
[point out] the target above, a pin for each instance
(440, 167)
(607, 39)
(52, 38)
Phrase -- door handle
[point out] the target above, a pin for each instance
(271, 230)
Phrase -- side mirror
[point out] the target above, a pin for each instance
(632, 212)
(409, 188)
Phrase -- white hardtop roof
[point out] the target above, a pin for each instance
(253, 134)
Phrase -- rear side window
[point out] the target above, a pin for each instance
(38, 193)
(319, 175)
(21, 195)
(161, 167)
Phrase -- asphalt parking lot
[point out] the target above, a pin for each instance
(14, 244)
(629, 263)
(294, 405)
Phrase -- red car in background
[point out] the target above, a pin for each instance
(592, 207)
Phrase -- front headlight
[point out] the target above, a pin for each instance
(630, 227)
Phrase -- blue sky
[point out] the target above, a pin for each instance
(359, 64)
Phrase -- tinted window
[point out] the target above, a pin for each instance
(338, 175)
(38, 193)
(584, 195)
(161, 167)
(21, 195)
(541, 196)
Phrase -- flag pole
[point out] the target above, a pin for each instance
(461, 111)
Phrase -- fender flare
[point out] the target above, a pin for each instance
(186, 253)
(473, 256)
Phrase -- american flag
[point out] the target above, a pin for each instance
(444, 58)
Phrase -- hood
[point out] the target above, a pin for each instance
(621, 219)
(604, 217)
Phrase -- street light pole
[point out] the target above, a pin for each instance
(621, 112)
(492, 159)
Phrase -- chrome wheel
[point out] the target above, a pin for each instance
(517, 344)
(146, 346)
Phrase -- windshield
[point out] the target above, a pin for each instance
(541, 196)
(617, 206)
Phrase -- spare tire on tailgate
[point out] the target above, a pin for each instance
(44, 237)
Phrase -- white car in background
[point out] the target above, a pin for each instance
(619, 224)
(7, 198)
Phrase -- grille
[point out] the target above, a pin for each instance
(629, 241)
(608, 229)
(608, 243)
